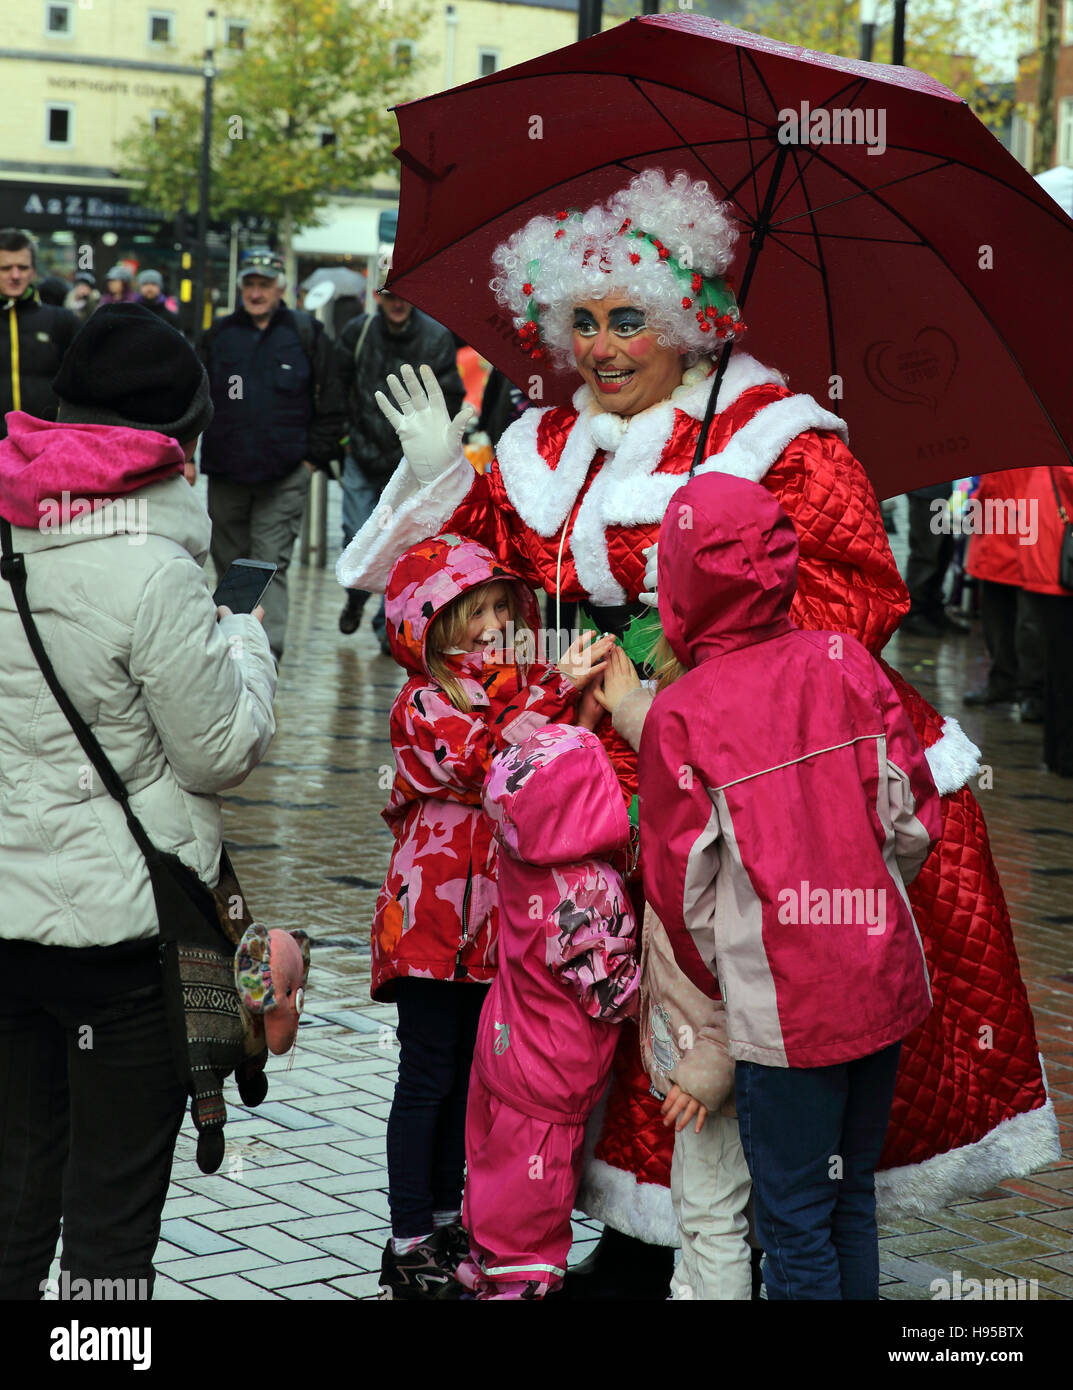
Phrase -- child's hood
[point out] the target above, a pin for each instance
(727, 567)
(554, 798)
(429, 576)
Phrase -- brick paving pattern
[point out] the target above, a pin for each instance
(299, 1209)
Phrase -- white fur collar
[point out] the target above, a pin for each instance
(629, 489)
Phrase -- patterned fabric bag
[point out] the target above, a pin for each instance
(198, 934)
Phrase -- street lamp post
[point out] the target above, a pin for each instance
(897, 55)
(868, 28)
(202, 250)
(590, 18)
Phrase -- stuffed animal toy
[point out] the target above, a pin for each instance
(271, 969)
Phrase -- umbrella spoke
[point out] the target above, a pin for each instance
(862, 190)
(779, 232)
(832, 354)
(778, 239)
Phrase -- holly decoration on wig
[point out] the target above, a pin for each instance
(636, 294)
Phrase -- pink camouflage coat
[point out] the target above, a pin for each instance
(436, 915)
(568, 937)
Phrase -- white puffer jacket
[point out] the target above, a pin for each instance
(181, 704)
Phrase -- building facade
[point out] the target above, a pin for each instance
(78, 75)
(1024, 125)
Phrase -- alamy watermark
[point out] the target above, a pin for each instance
(838, 907)
(973, 1290)
(994, 516)
(96, 1290)
(96, 516)
(837, 126)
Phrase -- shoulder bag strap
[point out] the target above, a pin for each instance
(13, 569)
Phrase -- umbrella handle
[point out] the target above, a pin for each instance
(756, 241)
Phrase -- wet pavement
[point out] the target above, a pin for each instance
(299, 1209)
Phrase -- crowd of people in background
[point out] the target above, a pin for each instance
(308, 402)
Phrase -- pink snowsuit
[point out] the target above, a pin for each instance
(568, 971)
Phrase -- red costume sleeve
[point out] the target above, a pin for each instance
(847, 580)
(487, 515)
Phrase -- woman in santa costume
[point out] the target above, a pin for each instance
(634, 294)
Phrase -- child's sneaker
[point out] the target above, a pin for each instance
(422, 1273)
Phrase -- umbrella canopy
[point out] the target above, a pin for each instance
(911, 281)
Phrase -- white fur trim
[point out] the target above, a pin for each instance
(953, 758)
(751, 451)
(412, 513)
(1015, 1148)
(640, 1209)
(542, 496)
(1018, 1146)
(628, 490)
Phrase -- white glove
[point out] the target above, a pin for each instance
(649, 597)
(431, 441)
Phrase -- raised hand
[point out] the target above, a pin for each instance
(619, 679)
(430, 439)
(585, 657)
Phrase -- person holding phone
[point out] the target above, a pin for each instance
(178, 693)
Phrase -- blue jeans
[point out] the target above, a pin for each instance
(812, 1138)
(360, 498)
(426, 1130)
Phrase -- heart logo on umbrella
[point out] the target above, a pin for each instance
(917, 375)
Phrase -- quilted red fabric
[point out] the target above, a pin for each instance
(975, 1062)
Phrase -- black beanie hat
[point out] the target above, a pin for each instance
(127, 367)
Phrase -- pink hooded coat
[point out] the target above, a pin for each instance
(435, 917)
(789, 795)
(568, 947)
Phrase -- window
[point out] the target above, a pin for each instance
(59, 123)
(403, 52)
(161, 26)
(235, 33)
(59, 19)
(1022, 136)
(487, 61)
(326, 137)
(1065, 131)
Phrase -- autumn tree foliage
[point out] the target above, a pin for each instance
(301, 112)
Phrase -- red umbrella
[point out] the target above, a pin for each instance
(916, 281)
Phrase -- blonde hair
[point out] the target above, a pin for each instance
(665, 665)
(448, 629)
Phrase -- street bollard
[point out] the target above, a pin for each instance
(313, 538)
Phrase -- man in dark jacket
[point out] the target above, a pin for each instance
(371, 348)
(279, 414)
(33, 336)
(151, 297)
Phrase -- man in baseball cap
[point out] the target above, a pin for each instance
(279, 415)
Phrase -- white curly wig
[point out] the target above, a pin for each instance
(665, 246)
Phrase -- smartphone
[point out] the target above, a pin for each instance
(243, 586)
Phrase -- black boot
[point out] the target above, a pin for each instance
(350, 617)
(621, 1268)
